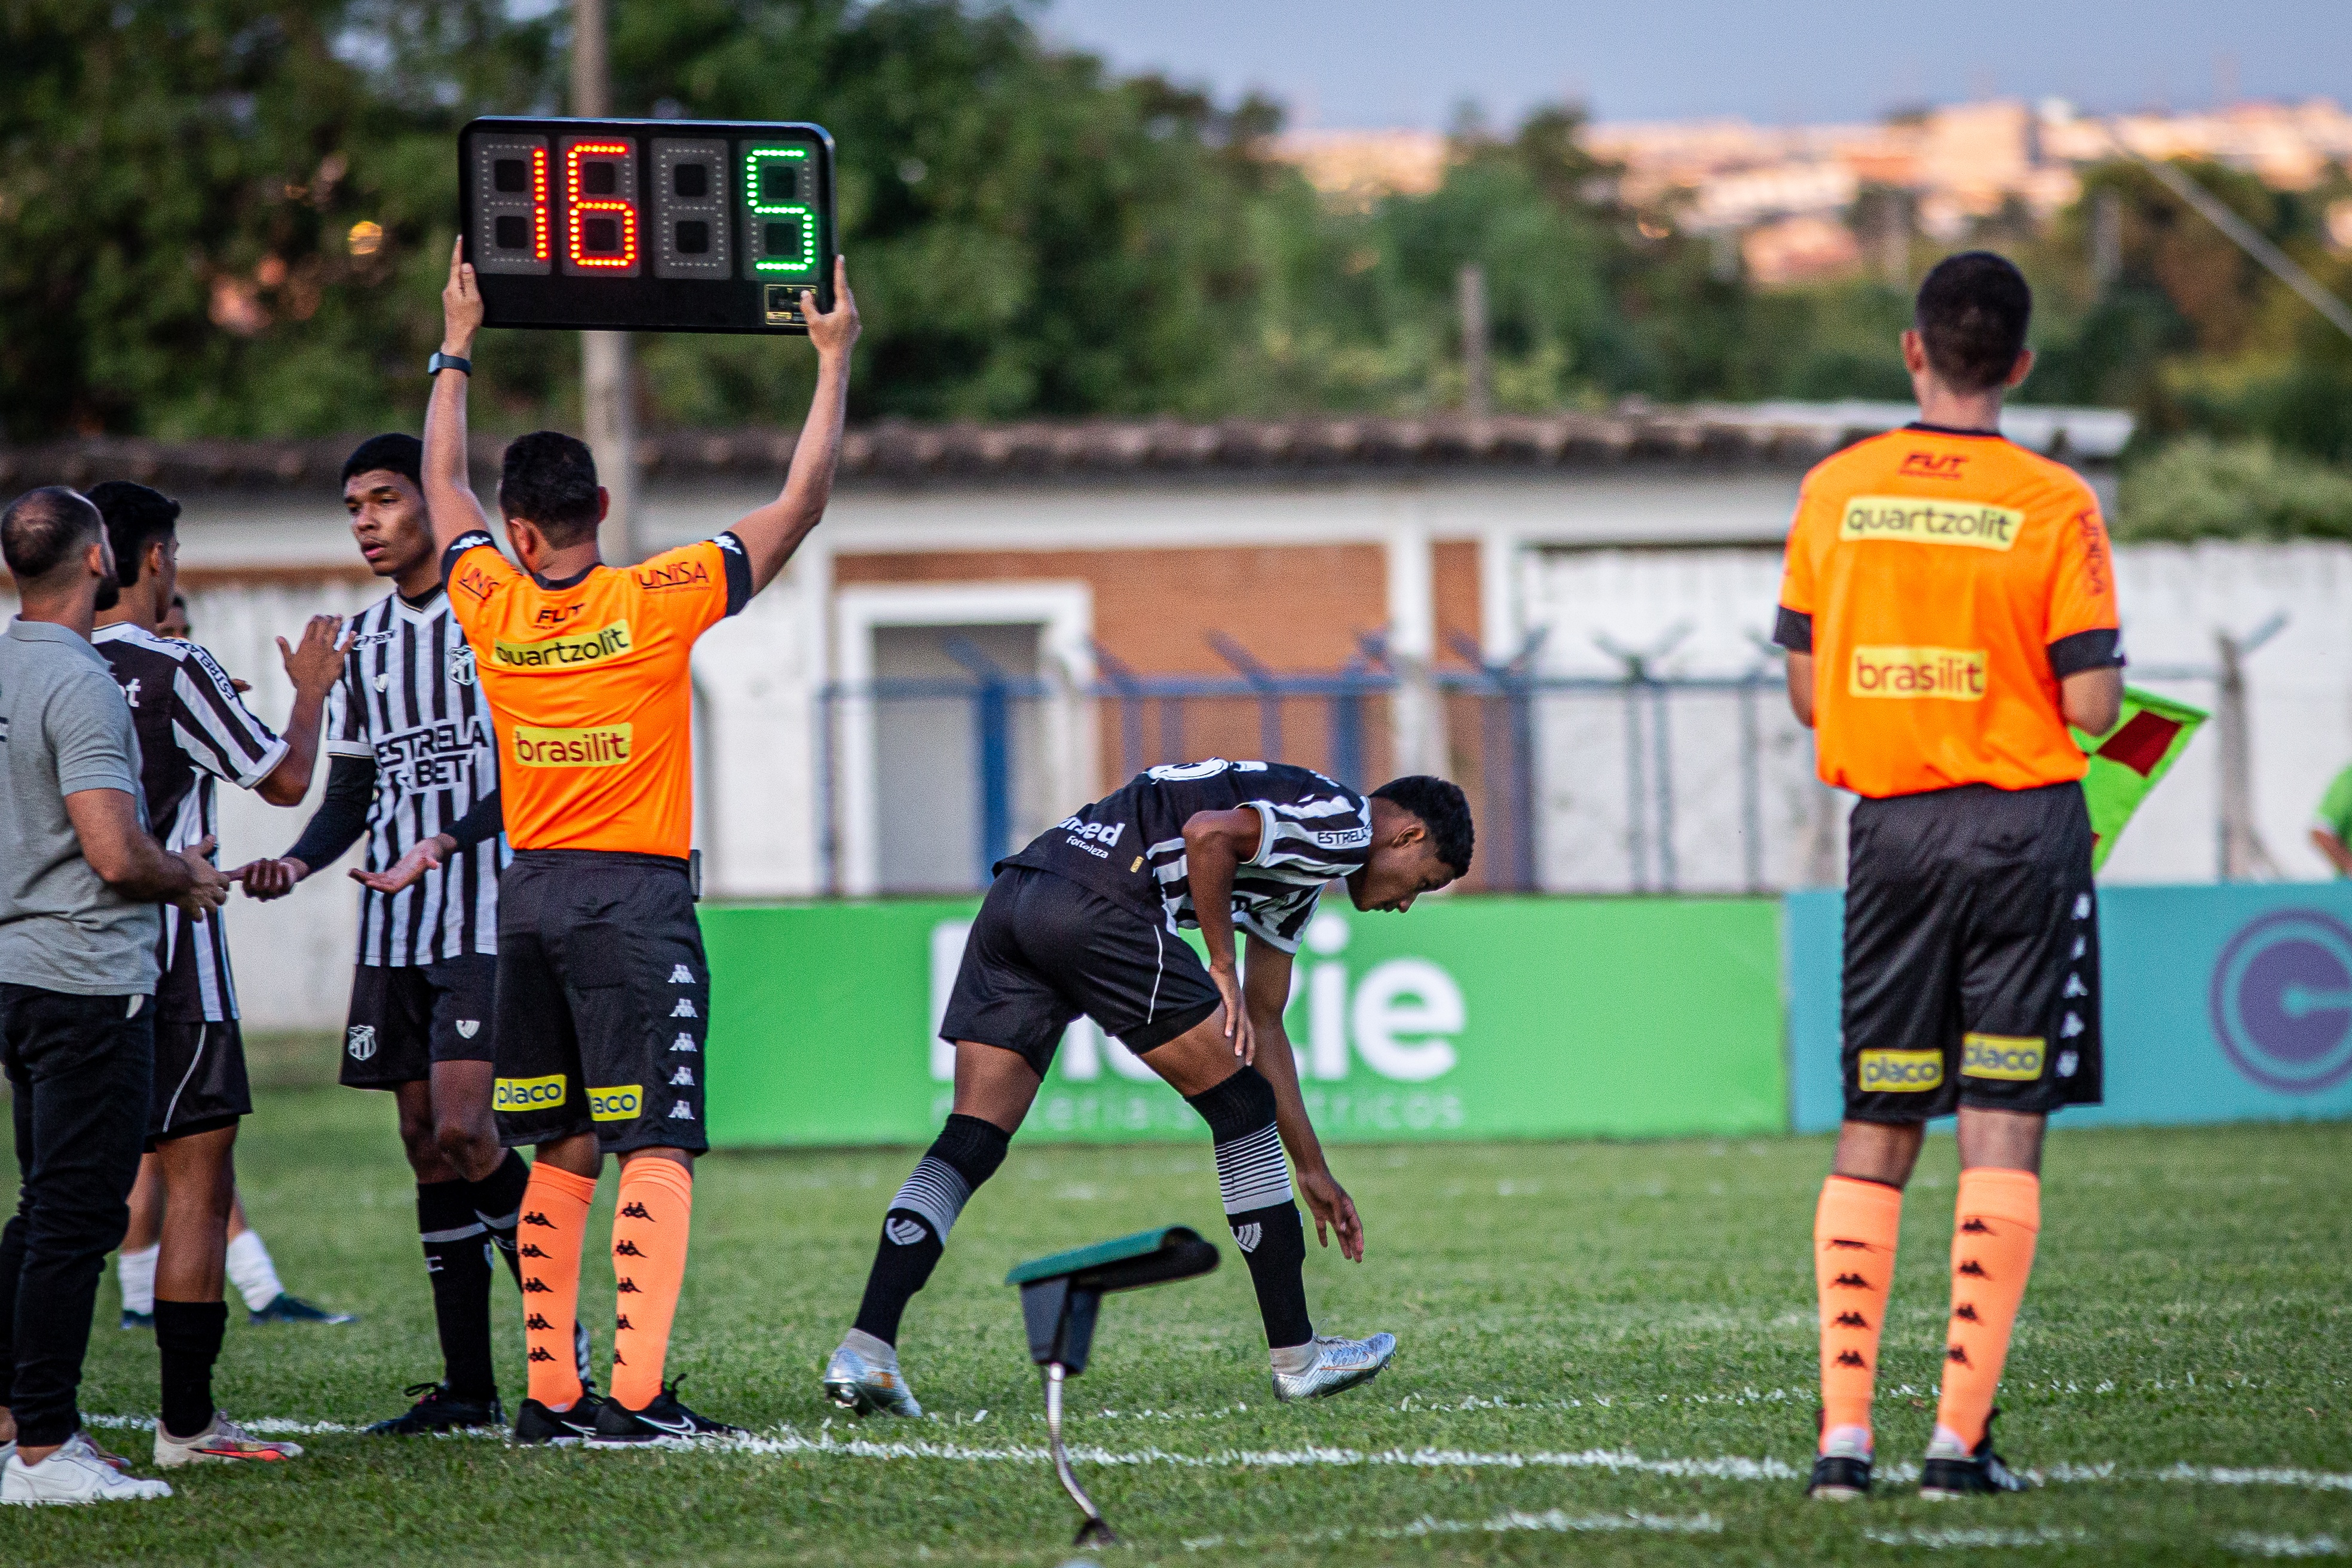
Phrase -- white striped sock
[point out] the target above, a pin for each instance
(1252, 1173)
(936, 1191)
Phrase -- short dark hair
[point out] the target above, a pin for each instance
(550, 478)
(392, 452)
(1973, 313)
(1443, 808)
(43, 529)
(136, 517)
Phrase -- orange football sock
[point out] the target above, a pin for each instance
(649, 1233)
(1993, 1230)
(1854, 1232)
(548, 1238)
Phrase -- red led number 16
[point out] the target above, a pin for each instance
(581, 208)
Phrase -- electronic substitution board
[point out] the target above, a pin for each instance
(676, 226)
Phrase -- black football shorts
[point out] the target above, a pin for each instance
(200, 1082)
(1971, 954)
(604, 1001)
(1044, 949)
(406, 1017)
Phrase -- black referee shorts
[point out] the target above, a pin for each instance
(604, 1001)
(406, 1017)
(1044, 949)
(1971, 954)
(200, 1082)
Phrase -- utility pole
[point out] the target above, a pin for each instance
(2106, 237)
(1470, 292)
(607, 406)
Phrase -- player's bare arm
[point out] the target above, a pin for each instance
(1216, 844)
(1266, 992)
(313, 665)
(1800, 688)
(2093, 700)
(770, 534)
(450, 499)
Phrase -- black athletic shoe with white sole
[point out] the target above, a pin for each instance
(1838, 1478)
(535, 1422)
(1979, 1474)
(438, 1411)
(665, 1419)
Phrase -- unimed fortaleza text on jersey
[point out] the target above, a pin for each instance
(194, 730)
(589, 682)
(1130, 843)
(1944, 582)
(409, 700)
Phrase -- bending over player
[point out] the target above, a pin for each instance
(1083, 920)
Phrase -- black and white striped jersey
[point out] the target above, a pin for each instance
(408, 702)
(1130, 844)
(193, 729)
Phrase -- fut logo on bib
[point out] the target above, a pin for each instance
(528, 1093)
(1917, 521)
(619, 1103)
(2014, 1058)
(1952, 673)
(1901, 1072)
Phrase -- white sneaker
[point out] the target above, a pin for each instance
(1339, 1364)
(223, 1440)
(74, 1473)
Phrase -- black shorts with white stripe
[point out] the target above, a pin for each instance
(1046, 949)
(200, 1083)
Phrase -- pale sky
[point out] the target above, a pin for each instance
(1369, 63)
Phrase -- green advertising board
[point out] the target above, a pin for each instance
(1470, 1017)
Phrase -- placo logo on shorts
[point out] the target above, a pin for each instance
(1901, 1072)
(2017, 1059)
(605, 746)
(565, 652)
(1920, 522)
(1955, 674)
(619, 1103)
(528, 1093)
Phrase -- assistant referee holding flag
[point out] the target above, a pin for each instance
(1949, 608)
(602, 991)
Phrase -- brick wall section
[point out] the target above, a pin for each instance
(1294, 607)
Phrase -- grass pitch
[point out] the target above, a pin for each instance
(1608, 1355)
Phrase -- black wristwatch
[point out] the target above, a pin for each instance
(441, 361)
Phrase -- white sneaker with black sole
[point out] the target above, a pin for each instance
(74, 1474)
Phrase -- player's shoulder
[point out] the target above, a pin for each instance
(1861, 461)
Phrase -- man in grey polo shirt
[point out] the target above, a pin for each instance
(80, 876)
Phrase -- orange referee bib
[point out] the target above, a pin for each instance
(589, 689)
(1942, 572)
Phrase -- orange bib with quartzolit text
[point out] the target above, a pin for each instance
(1949, 579)
(589, 686)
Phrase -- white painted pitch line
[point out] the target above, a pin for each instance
(2287, 1545)
(1553, 1520)
(1975, 1540)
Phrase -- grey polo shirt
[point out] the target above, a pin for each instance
(64, 728)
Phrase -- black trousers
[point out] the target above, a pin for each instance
(79, 1070)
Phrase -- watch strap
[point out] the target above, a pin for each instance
(441, 361)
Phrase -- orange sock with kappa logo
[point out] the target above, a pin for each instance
(1994, 1227)
(649, 1234)
(548, 1238)
(1854, 1232)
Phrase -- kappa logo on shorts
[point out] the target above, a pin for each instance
(684, 1008)
(468, 1027)
(621, 1103)
(2082, 913)
(2067, 1062)
(1900, 1072)
(359, 1043)
(679, 974)
(2012, 1058)
(683, 1077)
(528, 1094)
(2072, 1026)
(904, 1232)
(1247, 1236)
(681, 1111)
(683, 1043)
(2075, 987)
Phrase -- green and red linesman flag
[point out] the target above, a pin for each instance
(2152, 732)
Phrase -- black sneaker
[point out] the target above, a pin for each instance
(286, 1309)
(665, 1419)
(535, 1422)
(131, 1320)
(1948, 1474)
(1838, 1478)
(438, 1411)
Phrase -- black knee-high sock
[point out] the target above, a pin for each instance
(187, 1342)
(915, 1232)
(497, 1201)
(1254, 1181)
(456, 1259)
